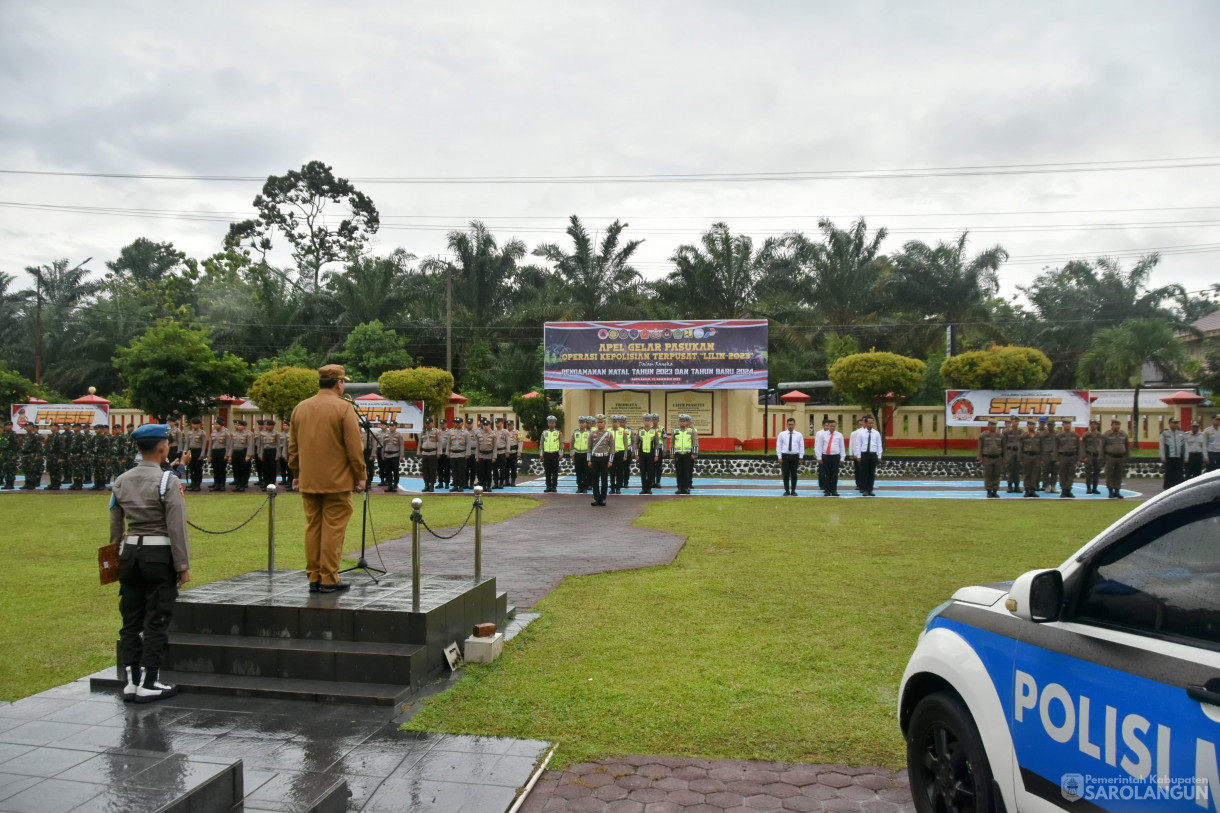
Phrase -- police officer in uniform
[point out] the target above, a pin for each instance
(1172, 454)
(1012, 455)
(500, 467)
(1211, 444)
(99, 454)
(646, 451)
(148, 521)
(391, 456)
(1070, 451)
(281, 453)
(32, 449)
(270, 451)
(472, 450)
(219, 451)
(686, 449)
(241, 440)
(175, 441)
(580, 454)
(78, 457)
(619, 433)
(1050, 457)
(1094, 457)
(991, 458)
(551, 445)
(1031, 458)
(790, 450)
(601, 458)
(514, 451)
(1196, 451)
(428, 446)
(442, 454)
(459, 441)
(196, 443)
(658, 466)
(485, 453)
(1116, 448)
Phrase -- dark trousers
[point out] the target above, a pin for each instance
(427, 468)
(1092, 472)
(512, 468)
(241, 470)
(600, 477)
(389, 471)
(684, 468)
(790, 464)
(1012, 470)
(1174, 471)
(1194, 464)
(442, 471)
(550, 467)
(285, 471)
(647, 470)
(616, 471)
(147, 591)
(484, 465)
(1050, 473)
(256, 460)
(866, 471)
(472, 470)
(658, 468)
(828, 466)
(459, 472)
(267, 469)
(196, 468)
(1213, 461)
(625, 473)
(580, 462)
(220, 470)
(501, 470)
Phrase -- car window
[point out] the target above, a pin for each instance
(1163, 580)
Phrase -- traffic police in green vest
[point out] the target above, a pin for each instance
(580, 454)
(551, 444)
(646, 451)
(685, 449)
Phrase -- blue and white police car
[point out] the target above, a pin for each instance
(1091, 686)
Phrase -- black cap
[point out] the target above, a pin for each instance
(196, 420)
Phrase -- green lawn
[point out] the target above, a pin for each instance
(58, 623)
(779, 633)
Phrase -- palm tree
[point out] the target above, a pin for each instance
(1116, 357)
(842, 273)
(716, 281)
(599, 282)
(61, 294)
(941, 283)
(12, 308)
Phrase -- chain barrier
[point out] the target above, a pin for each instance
(465, 522)
(257, 511)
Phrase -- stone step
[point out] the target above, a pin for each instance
(325, 691)
(342, 661)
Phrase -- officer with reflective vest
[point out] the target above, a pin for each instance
(646, 441)
(619, 433)
(551, 444)
(580, 454)
(686, 449)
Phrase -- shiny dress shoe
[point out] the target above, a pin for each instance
(133, 683)
(337, 587)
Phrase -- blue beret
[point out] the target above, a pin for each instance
(150, 431)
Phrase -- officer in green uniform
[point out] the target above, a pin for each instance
(99, 456)
(10, 454)
(1031, 458)
(1050, 460)
(148, 522)
(78, 457)
(1116, 447)
(991, 458)
(686, 449)
(32, 458)
(646, 451)
(1070, 451)
(55, 456)
(551, 445)
(1094, 457)
(1012, 455)
(580, 454)
(619, 433)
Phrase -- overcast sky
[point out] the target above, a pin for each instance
(468, 90)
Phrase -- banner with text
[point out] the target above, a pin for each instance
(409, 414)
(681, 355)
(976, 407)
(26, 417)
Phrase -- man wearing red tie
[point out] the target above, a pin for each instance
(866, 449)
(790, 446)
(828, 447)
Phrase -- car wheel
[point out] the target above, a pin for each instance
(946, 763)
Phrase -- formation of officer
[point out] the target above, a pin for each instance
(72, 456)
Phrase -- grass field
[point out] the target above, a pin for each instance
(58, 623)
(779, 633)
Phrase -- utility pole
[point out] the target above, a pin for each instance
(449, 318)
(37, 270)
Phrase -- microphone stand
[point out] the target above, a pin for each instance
(362, 563)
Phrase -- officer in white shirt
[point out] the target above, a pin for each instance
(1194, 450)
(866, 451)
(1211, 443)
(1172, 454)
(790, 447)
(828, 448)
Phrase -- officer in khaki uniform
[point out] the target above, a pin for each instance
(1116, 447)
(219, 450)
(325, 454)
(241, 443)
(459, 443)
(991, 458)
(500, 467)
(485, 453)
(514, 449)
(196, 444)
(391, 456)
(428, 446)
(472, 446)
(1031, 458)
(1050, 457)
(1094, 457)
(1012, 455)
(1070, 451)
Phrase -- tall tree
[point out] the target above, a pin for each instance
(295, 205)
(55, 317)
(716, 279)
(941, 283)
(599, 281)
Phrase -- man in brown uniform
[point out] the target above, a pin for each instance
(325, 454)
(1116, 447)
(1031, 458)
(1070, 451)
(1012, 455)
(1050, 455)
(1093, 456)
(991, 458)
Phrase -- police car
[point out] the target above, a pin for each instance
(1091, 686)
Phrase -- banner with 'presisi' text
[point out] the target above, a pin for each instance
(712, 354)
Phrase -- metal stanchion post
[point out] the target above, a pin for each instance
(416, 519)
(478, 533)
(271, 528)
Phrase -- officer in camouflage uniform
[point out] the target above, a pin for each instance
(99, 456)
(10, 454)
(991, 458)
(122, 451)
(78, 457)
(33, 447)
(54, 453)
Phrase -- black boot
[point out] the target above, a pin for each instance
(153, 689)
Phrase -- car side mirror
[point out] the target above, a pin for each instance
(1036, 596)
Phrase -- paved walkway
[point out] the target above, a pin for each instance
(529, 555)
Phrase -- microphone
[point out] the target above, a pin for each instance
(364, 422)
